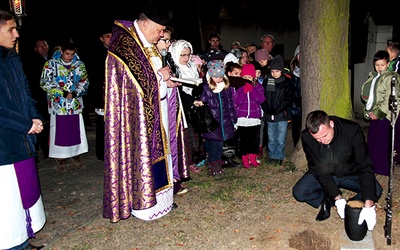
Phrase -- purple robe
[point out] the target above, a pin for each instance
(136, 145)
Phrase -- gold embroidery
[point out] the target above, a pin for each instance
(151, 52)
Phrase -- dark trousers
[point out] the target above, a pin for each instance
(100, 137)
(296, 129)
(213, 150)
(308, 189)
(43, 139)
(249, 139)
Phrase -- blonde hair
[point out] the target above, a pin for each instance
(213, 85)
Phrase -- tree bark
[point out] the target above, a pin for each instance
(325, 85)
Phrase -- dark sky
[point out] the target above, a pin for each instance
(57, 20)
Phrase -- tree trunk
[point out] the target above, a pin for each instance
(324, 28)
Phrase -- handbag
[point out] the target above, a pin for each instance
(202, 119)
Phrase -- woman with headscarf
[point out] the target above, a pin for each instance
(181, 54)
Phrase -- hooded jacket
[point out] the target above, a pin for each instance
(58, 80)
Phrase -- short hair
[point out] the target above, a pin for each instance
(168, 29)
(142, 17)
(39, 39)
(393, 46)
(268, 35)
(251, 44)
(230, 66)
(381, 55)
(68, 46)
(315, 119)
(5, 16)
(214, 35)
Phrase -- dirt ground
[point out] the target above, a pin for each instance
(245, 209)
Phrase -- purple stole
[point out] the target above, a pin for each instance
(29, 188)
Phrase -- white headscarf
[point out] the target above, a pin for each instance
(230, 58)
(185, 71)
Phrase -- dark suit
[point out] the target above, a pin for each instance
(97, 76)
(33, 66)
(343, 163)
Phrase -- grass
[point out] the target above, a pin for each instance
(240, 185)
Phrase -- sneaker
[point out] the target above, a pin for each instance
(200, 164)
(182, 191)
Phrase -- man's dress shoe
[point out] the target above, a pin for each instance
(325, 210)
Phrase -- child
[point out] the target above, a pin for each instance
(248, 99)
(262, 57)
(218, 95)
(233, 69)
(278, 93)
(375, 92)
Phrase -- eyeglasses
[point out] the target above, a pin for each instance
(185, 55)
(165, 40)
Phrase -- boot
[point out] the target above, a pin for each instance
(76, 162)
(246, 161)
(325, 210)
(253, 160)
(61, 164)
(218, 168)
(260, 152)
(211, 168)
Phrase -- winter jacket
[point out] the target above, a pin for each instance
(17, 109)
(346, 155)
(57, 80)
(382, 92)
(279, 97)
(223, 110)
(248, 105)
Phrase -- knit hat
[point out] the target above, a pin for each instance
(197, 60)
(248, 70)
(214, 54)
(216, 68)
(277, 63)
(261, 54)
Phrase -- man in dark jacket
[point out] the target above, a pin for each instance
(33, 67)
(338, 157)
(21, 211)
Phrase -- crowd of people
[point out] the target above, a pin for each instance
(144, 132)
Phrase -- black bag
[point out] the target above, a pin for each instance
(202, 119)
